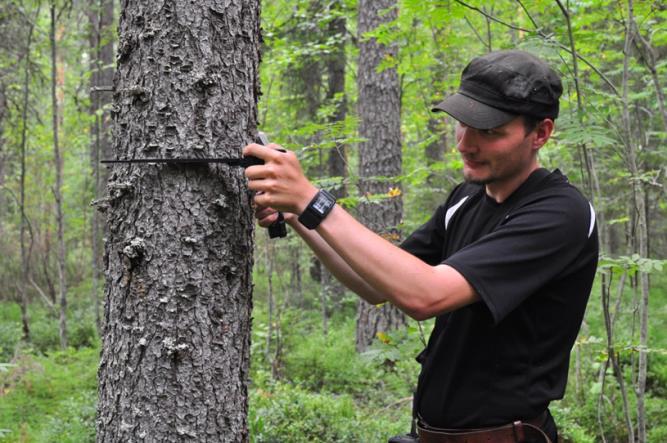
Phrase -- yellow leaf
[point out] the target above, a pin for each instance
(384, 338)
(394, 192)
(391, 236)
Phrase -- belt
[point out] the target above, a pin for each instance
(516, 432)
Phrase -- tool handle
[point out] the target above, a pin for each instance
(278, 228)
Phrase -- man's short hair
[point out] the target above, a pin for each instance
(530, 122)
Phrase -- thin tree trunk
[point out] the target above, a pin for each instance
(379, 154)
(295, 275)
(324, 292)
(641, 230)
(3, 154)
(22, 228)
(337, 158)
(45, 268)
(592, 180)
(269, 295)
(176, 334)
(337, 161)
(437, 122)
(612, 355)
(57, 190)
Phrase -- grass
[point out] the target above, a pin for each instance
(50, 397)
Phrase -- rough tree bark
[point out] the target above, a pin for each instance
(176, 334)
(100, 17)
(380, 158)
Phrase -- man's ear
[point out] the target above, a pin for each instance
(543, 132)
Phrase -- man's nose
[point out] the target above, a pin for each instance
(465, 139)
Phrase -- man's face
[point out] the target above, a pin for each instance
(497, 155)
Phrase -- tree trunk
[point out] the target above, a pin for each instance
(100, 16)
(439, 125)
(337, 161)
(641, 229)
(22, 226)
(57, 190)
(592, 180)
(3, 154)
(176, 336)
(379, 154)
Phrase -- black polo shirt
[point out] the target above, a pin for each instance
(532, 260)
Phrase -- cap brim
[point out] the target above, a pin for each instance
(473, 113)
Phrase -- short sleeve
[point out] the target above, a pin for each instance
(426, 242)
(537, 243)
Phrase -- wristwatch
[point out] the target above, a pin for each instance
(318, 208)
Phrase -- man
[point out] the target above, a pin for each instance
(506, 264)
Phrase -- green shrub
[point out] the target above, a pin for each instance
(44, 334)
(10, 335)
(656, 412)
(328, 363)
(569, 424)
(73, 421)
(296, 415)
(82, 333)
(285, 413)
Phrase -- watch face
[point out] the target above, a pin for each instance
(321, 204)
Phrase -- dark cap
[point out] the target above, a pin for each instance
(497, 87)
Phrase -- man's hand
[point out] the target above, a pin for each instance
(267, 216)
(279, 183)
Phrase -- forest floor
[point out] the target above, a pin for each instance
(307, 386)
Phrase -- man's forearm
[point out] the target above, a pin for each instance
(335, 263)
(418, 289)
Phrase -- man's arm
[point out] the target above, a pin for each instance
(420, 290)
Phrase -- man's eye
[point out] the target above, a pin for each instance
(489, 132)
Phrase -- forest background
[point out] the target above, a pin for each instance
(312, 377)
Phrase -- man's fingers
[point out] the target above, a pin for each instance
(260, 185)
(268, 220)
(263, 212)
(266, 153)
(266, 216)
(262, 199)
(256, 150)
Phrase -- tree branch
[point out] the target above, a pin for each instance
(493, 18)
(546, 37)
